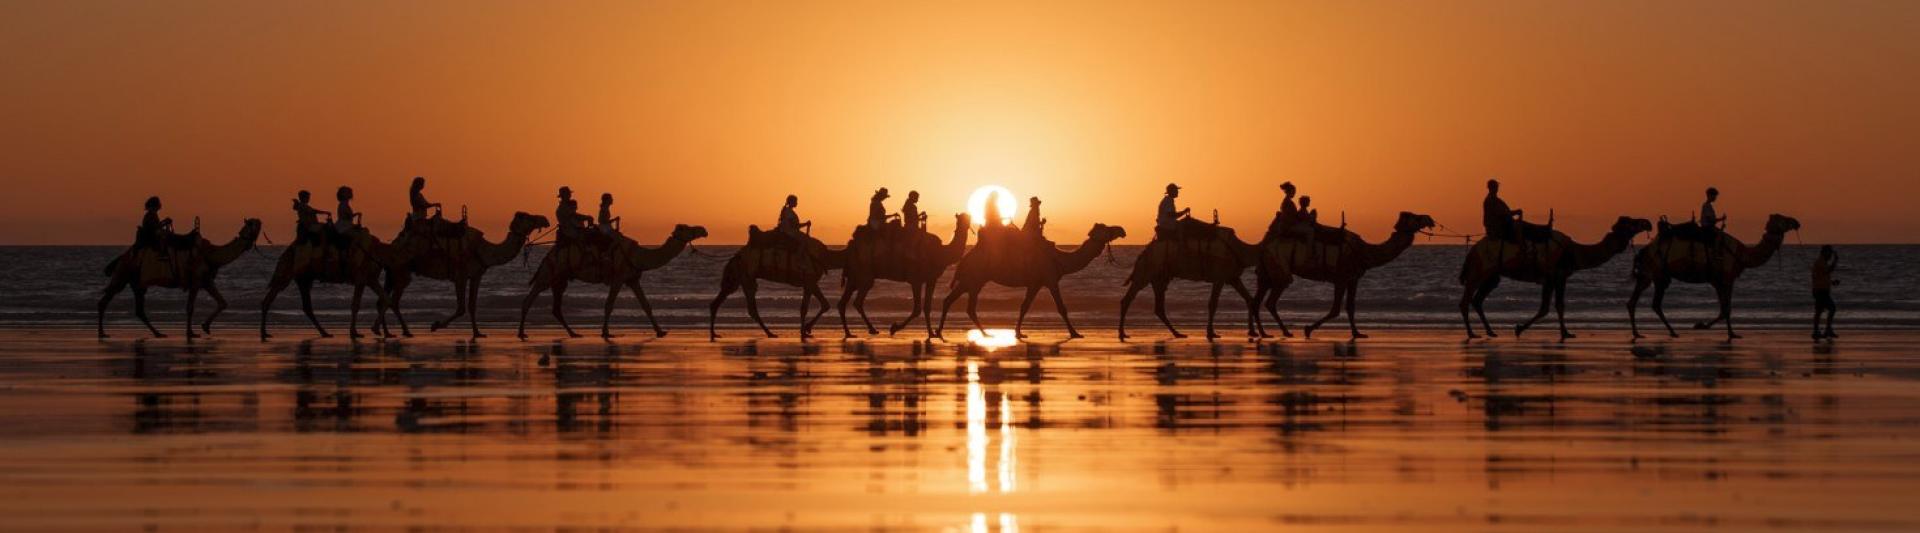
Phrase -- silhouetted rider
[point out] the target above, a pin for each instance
(877, 210)
(1169, 214)
(418, 200)
(910, 216)
(1501, 222)
(307, 225)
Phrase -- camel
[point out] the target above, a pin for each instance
(762, 260)
(616, 267)
(1016, 259)
(1549, 264)
(1284, 257)
(919, 263)
(359, 262)
(1670, 258)
(463, 260)
(1217, 261)
(191, 270)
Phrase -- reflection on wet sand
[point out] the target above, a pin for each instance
(1406, 430)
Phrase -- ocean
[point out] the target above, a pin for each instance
(61, 285)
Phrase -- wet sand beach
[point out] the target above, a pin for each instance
(1404, 430)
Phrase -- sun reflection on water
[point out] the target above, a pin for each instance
(978, 440)
(992, 339)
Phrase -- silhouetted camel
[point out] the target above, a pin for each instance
(1015, 259)
(359, 262)
(616, 267)
(1670, 258)
(1549, 264)
(1282, 258)
(462, 259)
(919, 263)
(760, 259)
(189, 270)
(1217, 261)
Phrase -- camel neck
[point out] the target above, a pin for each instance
(229, 252)
(652, 258)
(1081, 257)
(956, 247)
(1759, 254)
(1373, 255)
(496, 254)
(1586, 256)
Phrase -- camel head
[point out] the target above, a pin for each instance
(250, 230)
(1629, 226)
(962, 221)
(1412, 222)
(527, 223)
(1780, 224)
(688, 233)
(1103, 233)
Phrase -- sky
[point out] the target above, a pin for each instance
(710, 113)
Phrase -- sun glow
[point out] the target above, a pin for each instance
(977, 204)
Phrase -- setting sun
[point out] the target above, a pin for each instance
(977, 204)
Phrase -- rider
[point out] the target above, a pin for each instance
(609, 224)
(1169, 213)
(567, 215)
(1034, 225)
(1710, 221)
(993, 212)
(419, 200)
(790, 224)
(344, 218)
(1501, 222)
(1288, 220)
(307, 226)
(877, 210)
(153, 228)
(910, 216)
(1308, 214)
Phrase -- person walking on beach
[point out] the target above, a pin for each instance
(1823, 283)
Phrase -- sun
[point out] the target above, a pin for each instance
(977, 204)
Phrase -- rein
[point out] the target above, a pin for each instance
(1450, 234)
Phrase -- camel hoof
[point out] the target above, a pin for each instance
(1701, 325)
(104, 336)
(608, 336)
(191, 335)
(1212, 336)
(1637, 335)
(1359, 335)
(1564, 335)
(712, 337)
(207, 328)
(1472, 336)
(1123, 337)
(1492, 335)
(1673, 335)
(1075, 335)
(1832, 335)
(871, 331)
(1179, 335)
(1732, 336)
(159, 335)
(522, 335)
(434, 327)
(573, 335)
(658, 333)
(479, 335)
(771, 335)
(1265, 335)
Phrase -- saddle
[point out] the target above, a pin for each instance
(757, 238)
(1527, 233)
(1690, 231)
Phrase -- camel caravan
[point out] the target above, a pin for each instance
(334, 247)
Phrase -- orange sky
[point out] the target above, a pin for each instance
(710, 112)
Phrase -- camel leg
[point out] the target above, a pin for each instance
(353, 312)
(1560, 307)
(813, 290)
(192, 295)
(219, 305)
(1253, 311)
(846, 295)
(1723, 290)
(1160, 308)
(646, 307)
(860, 304)
(917, 289)
(473, 307)
(382, 302)
(559, 309)
(397, 284)
(1633, 304)
(1659, 304)
(1480, 304)
(119, 283)
(606, 315)
(533, 291)
(1338, 294)
(973, 307)
(727, 286)
(927, 301)
(1546, 301)
(806, 299)
(1270, 295)
(1353, 300)
(1466, 302)
(1060, 304)
(953, 295)
(748, 291)
(1126, 302)
(140, 310)
(306, 306)
(459, 302)
(1213, 304)
(1020, 323)
(1719, 294)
